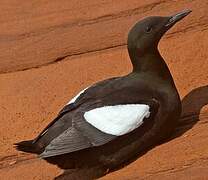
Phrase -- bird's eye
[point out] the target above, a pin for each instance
(148, 29)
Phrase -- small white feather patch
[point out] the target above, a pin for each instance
(117, 120)
(75, 97)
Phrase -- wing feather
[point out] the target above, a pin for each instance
(117, 120)
(69, 141)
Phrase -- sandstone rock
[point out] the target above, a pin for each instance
(36, 34)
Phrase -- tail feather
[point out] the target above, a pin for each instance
(27, 146)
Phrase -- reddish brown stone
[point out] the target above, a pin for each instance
(37, 33)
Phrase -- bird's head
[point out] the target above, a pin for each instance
(146, 34)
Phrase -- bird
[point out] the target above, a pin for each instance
(113, 120)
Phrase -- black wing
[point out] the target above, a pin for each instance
(70, 132)
(83, 135)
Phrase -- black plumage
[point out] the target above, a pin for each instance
(149, 83)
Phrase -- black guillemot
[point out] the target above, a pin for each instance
(112, 120)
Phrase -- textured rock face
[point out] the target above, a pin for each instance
(75, 43)
(43, 32)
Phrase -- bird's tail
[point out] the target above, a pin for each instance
(27, 146)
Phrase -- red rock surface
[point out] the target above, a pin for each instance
(75, 43)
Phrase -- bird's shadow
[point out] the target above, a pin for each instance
(192, 104)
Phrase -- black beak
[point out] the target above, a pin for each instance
(177, 17)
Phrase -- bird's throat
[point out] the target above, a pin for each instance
(151, 62)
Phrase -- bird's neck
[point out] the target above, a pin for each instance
(151, 62)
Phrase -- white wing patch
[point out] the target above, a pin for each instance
(75, 97)
(117, 120)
